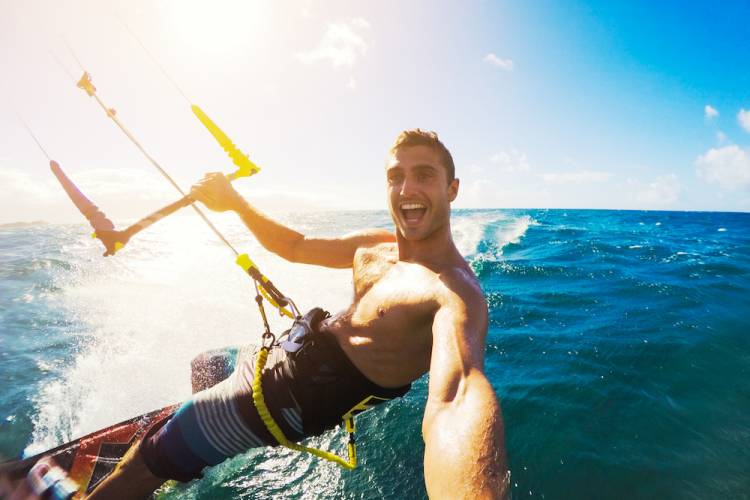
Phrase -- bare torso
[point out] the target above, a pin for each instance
(387, 331)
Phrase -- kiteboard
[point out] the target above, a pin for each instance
(88, 460)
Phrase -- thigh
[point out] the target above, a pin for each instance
(214, 366)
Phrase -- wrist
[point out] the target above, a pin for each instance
(238, 203)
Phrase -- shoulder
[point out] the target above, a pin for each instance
(459, 282)
(374, 248)
(461, 320)
(460, 291)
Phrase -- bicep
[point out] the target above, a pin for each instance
(337, 252)
(457, 353)
(458, 334)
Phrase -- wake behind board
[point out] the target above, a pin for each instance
(91, 458)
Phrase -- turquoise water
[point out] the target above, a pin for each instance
(619, 344)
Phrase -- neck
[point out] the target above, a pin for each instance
(435, 251)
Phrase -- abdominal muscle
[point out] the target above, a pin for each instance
(389, 359)
(387, 331)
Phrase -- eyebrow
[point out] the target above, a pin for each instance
(420, 167)
(424, 166)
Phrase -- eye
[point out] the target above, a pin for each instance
(395, 178)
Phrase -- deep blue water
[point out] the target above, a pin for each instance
(619, 345)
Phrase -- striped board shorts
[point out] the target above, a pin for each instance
(307, 392)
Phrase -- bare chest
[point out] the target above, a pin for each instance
(387, 290)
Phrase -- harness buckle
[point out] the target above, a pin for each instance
(268, 336)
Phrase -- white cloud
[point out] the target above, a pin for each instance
(283, 200)
(488, 193)
(576, 177)
(664, 190)
(743, 117)
(119, 192)
(475, 192)
(511, 161)
(102, 183)
(19, 185)
(493, 60)
(729, 167)
(341, 45)
(472, 168)
(307, 9)
(710, 112)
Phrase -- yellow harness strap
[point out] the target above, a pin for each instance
(278, 434)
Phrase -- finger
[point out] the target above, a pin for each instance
(198, 191)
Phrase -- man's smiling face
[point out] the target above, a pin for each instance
(419, 193)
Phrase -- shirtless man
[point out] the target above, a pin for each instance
(417, 307)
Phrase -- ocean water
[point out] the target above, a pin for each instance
(619, 344)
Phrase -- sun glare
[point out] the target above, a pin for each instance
(215, 27)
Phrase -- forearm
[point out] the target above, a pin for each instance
(464, 443)
(216, 192)
(275, 237)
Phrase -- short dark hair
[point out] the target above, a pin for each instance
(419, 137)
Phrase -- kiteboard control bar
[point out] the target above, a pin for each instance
(104, 229)
(245, 168)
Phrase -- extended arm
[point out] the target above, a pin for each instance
(463, 425)
(217, 193)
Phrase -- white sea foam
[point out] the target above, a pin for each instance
(469, 230)
(148, 312)
(504, 232)
(722, 229)
(513, 232)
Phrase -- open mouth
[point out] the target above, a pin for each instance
(413, 212)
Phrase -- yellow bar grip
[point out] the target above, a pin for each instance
(245, 167)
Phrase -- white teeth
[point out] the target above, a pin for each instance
(411, 206)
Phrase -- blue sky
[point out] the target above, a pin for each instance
(543, 104)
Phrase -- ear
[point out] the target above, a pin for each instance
(453, 189)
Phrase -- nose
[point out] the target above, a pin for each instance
(407, 186)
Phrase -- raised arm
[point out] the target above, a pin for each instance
(216, 192)
(462, 425)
